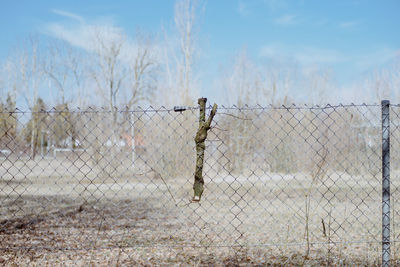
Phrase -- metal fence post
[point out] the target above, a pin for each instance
(385, 104)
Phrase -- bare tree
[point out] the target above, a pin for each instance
(123, 68)
(8, 121)
(108, 70)
(56, 69)
(179, 57)
(185, 17)
(243, 81)
(277, 81)
(141, 78)
(318, 82)
(63, 67)
(8, 79)
(242, 84)
(246, 82)
(77, 66)
(8, 125)
(28, 79)
(123, 72)
(385, 82)
(395, 79)
(2, 81)
(38, 124)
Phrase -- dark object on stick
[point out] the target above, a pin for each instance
(200, 138)
(179, 108)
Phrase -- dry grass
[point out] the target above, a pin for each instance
(244, 219)
(100, 235)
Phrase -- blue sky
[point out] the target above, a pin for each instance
(351, 36)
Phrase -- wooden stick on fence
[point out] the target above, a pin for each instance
(200, 138)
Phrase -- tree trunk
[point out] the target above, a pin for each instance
(200, 138)
(33, 139)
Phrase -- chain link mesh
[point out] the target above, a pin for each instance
(283, 185)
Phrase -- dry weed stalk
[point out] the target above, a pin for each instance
(316, 176)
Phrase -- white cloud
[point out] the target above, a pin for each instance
(94, 36)
(304, 55)
(83, 34)
(68, 15)
(243, 9)
(80, 35)
(275, 4)
(349, 24)
(309, 55)
(376, 58)
(286, 20)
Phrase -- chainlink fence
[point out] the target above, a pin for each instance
(283, 185)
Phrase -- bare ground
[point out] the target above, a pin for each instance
(244, 219)
(98, 235)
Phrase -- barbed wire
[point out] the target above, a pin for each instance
(95, 109)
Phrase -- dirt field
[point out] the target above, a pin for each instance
(55, 212)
